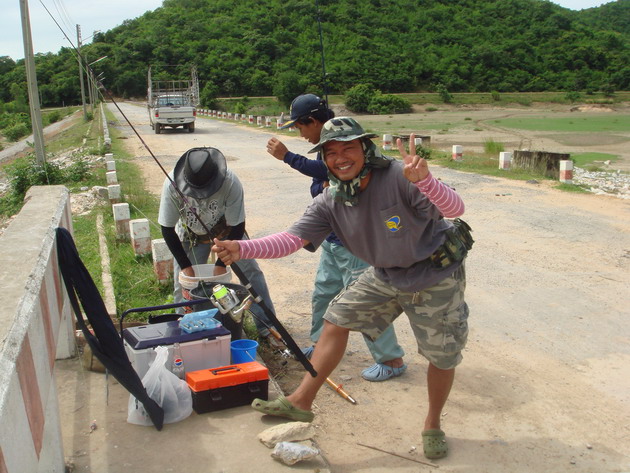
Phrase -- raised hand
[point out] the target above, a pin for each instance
(276, 148)
(416, 168)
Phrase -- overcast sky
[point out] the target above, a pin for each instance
(95, 15)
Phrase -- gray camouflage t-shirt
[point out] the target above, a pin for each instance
(394, 227)
(227, 201)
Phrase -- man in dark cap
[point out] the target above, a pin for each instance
(216, 196)
(337, 266)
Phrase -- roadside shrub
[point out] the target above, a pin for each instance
(26, 172)
(492, 147)
(423, 152)
(51, 117)
(495, 96)
(381, 104)
(78, 171)
(357, 99)
(444, 94)
(17, 131)
(10, 204)
(240, 106)
(572, 96)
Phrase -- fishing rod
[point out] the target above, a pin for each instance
(274, 333)
(321, 47)
(290, 342)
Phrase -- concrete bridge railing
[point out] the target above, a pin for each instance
(36, 328)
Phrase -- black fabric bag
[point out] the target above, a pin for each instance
(105, 343)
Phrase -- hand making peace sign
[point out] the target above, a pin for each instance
(416, 168)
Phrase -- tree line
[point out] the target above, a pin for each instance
(272, 47)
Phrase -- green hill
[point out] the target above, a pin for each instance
(258, 47)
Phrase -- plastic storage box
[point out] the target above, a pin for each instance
(228, 386)
(200, 350)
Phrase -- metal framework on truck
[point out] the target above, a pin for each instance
(186, 88)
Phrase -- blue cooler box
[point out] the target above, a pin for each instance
(200, 350)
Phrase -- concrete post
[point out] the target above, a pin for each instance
(140, 236)
(110, 165)
(109, 156)
(162, 261)
(111, 177)
(417, 142)
(458, 151)
(505, 160)
(387, 142)
(259, 121)
(121, 217)
(566, 171)
(268, 122)
(114, 193)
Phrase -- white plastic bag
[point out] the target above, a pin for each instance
(171, 393)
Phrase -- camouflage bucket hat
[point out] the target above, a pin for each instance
(341, 129)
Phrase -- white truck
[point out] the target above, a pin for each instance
(172, 102)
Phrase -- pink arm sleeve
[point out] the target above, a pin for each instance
(272, 246)
(448, 202)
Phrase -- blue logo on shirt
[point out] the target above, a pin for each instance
(393, 223)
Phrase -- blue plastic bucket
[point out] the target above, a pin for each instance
(243, 351)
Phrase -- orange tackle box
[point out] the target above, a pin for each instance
(228, 386)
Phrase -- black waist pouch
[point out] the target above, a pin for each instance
(455, 248)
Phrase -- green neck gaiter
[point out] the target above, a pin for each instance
(347, 192)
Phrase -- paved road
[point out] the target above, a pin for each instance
(545, 384)
(19, 148)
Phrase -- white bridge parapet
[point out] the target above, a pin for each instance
(36, 328)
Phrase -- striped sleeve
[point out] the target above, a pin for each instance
(277, 245)
(448, 202)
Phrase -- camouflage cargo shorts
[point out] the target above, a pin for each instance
(438, 315)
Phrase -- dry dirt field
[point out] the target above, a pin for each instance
(545, 381)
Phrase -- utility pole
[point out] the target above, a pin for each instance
(85, 115)
(31, 79)
(89, 85)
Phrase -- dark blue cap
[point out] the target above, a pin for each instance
(303, 106)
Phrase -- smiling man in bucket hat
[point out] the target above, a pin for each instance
(392, 215)
(337, 266)
(216, 195)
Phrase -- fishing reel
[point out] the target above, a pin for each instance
(226, 300)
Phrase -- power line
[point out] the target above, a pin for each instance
(63, 15)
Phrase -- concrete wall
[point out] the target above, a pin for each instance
(36, 327)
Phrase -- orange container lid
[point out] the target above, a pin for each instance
(223, 376)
